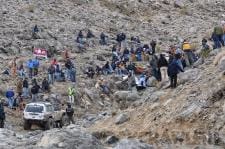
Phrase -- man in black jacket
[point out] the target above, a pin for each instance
(25, 88)
(163, 65)
(34, 92)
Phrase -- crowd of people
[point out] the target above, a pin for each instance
(132, 60)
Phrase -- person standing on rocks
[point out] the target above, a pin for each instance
(30, 66)
(35, 31)
(34, 91)
(153, 46)
(162, 65)
(90, 37)
(51, 72)
(69, 113)
(173, 69)
(69, 66)
(223, 25)
(2, 115)
(217, 37)
(71, 94)
(188, 53)
(13, 67)
(25, 88)
(103, 39)
(35, 66)
(19, 87)
(45, 85)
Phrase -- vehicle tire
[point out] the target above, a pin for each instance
(64, 121)
(49, 124)
(26, 125)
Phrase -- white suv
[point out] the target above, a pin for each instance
(42, 114)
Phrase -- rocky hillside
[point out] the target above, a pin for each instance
(187, 117)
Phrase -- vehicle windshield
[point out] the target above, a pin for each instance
(36, 109)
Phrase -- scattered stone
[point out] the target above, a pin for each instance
(122, 118)
(111, 140)
(179, 4)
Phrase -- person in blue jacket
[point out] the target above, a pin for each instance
(10, 96)
(173, 69)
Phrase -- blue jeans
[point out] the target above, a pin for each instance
(50, 78)
(57, 76)
(10, 102)
(25, 92)
(67, 73)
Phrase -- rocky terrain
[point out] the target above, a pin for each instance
(191, 116)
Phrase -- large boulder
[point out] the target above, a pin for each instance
(132, 144)
(126, 95)
(68, 138)
(189, 75)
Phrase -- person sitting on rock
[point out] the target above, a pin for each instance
(205, 49)
(141, 82)
(45, 85)
(107, 68)
(90, 72)
(80, 37)
(69, 113)
(98, 70)
(90, 34)
(103, 84)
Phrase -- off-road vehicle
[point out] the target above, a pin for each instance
(44, 115)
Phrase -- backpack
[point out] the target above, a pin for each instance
(34, 89)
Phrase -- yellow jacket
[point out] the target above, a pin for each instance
(186, 46)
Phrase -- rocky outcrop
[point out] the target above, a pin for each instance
(68, 138)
